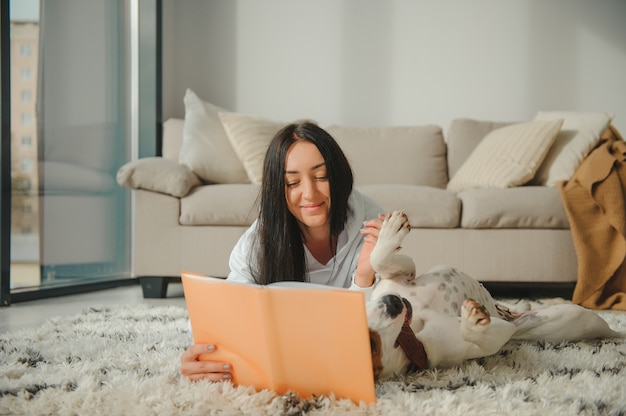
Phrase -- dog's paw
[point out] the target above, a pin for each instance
(475, 314)
(393, 230)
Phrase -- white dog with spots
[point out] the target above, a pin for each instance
(454, 318)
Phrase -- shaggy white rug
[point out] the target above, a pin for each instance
(125, 361)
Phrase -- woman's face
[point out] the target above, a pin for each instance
(306, 185)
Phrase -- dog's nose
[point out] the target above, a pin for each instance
(393, 304)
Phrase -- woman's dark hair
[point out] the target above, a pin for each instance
(279, 244)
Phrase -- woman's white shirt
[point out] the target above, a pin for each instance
(340, 270)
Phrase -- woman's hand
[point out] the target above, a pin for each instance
(193, 369)
(365, 274)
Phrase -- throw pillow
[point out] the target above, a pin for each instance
(250, 136)
(579, 135)
(506, 157)
(206, 149)
(158, 175)
(464, 134)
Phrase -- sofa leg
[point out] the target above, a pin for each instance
(154, 287)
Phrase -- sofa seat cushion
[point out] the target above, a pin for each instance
(521, 207)
(222, 204)
(425, 206)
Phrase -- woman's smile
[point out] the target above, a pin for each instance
(312, 207)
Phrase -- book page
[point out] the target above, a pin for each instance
(315, 328)
(231, 318)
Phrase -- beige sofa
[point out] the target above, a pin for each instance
(516, 234)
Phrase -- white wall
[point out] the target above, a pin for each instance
(393, 62)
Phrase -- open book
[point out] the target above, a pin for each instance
(310, 339)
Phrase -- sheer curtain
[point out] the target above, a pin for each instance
(82, 118)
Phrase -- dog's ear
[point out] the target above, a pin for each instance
(377, 353)
(409, 311)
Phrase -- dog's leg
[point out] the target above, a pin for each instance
(486, 334)
(565, 322)
(384, 258)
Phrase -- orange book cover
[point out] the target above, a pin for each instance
(310, 339)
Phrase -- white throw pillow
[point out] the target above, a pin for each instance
(250, 136)
(506, 157)
(206, 149)
(579, 135)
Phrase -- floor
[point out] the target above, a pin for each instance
(31, 314)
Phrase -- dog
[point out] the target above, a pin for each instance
(444, 317)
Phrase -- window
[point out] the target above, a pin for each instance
(85, 105)
(26, 73)
(26, 96)
(26, 50)
(27, 119)
(26, 142)
(26, 165)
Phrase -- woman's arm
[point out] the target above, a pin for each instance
(240, 257)
(365, 275)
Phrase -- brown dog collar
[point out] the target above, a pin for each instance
(411, 346)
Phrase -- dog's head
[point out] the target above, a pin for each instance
(388, 316)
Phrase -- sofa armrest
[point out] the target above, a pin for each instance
(159, 175)
(172, 138)
(156, 242)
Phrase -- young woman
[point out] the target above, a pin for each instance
(312, 227)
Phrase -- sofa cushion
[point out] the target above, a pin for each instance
(463, 136)
(425, 206)
(394, 155)
(250, 136)
(206, 148)
(578, 136)
(521, 207)
(159, 175)
(506, 157)
(222, 204)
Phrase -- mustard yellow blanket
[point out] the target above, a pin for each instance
(595, 203)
